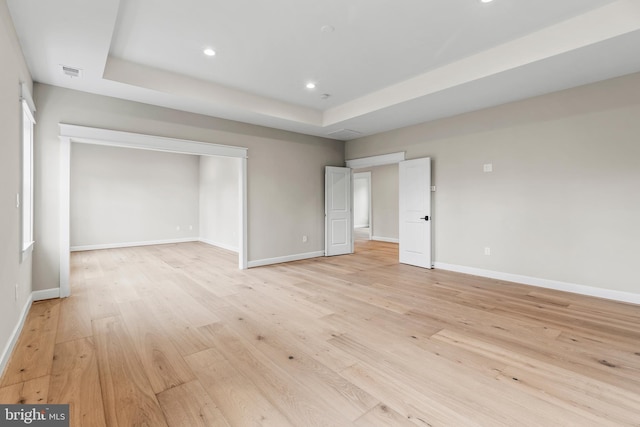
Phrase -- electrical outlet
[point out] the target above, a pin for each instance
(433, 188)
(487, 251)
(487, 167)
(16, 292)
(190, 227)
(304, 239)
(178, 228)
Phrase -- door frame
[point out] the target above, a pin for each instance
(381, 160)
(369, 162)
(388, 159)
(97, 136)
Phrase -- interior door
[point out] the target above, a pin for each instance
(415, 212)
(338, 211)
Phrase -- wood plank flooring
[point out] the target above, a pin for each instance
(175, 335)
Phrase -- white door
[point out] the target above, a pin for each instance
(338, 211)
(415, 212)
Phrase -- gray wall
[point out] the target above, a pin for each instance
(220, 215)
(285, 170)
(563, 201)
(122, 195)
(12, 271)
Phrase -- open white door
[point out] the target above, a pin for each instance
(415, 212)
(338, 211)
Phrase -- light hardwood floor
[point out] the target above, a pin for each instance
(176, 335)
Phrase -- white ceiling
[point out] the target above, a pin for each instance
(387, 64)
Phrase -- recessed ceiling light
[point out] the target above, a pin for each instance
(327, 29)
(486, 1)
(311, 85)
(209, 52)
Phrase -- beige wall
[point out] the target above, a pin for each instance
(123, 195)
(220, 214)
(285, 170)
(12, 271)
(562, 203)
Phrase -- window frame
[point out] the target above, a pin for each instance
(26, 196)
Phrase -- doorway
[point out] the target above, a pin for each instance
(407, 223)
(383, 218)
(362, 214)
(86, 135)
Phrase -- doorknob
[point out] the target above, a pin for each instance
(426, 218)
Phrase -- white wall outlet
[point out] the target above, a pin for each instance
(433, 188)
(304, 239)
(16, 292)
(178, 228)
(487, 167)
(17, 200)
(190, 227)
(487, 251)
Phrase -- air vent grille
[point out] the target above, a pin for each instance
(71, 71)
(344, 134)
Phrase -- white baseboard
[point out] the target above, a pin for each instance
(45, 294)
(8, 349)
(35, 296)
(131, 244)
(385, 239)
(545, 283)
(288, 258)
(219, 245)
(361, 226)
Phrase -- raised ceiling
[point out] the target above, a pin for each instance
(384, 63)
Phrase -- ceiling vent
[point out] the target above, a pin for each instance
(71, 71)
(344, 134)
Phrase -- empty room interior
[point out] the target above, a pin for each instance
(338, 213)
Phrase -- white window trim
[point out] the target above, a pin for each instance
(28, 110)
